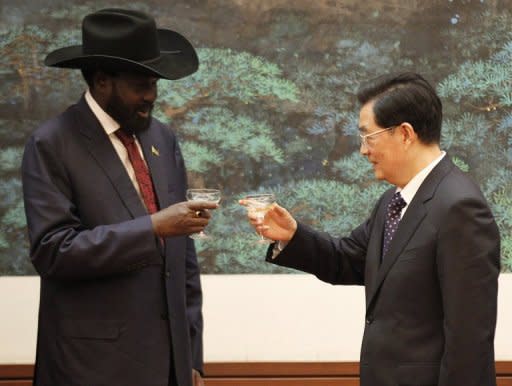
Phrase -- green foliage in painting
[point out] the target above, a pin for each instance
(10, 158)
(506, 253)
(484, 35)
(10, 191)
(476, 81)
(466, 133)
(235, 137)
(461, 164)
(14, 218)
(481, 139)
(273, 105)
(354, 169)
(199, 158)
(227, 75)
(502, 207)
(243, 76)
(12, 228)
(216, 136)
(496, 182)
(23, 50)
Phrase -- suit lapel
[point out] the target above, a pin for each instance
(375, 245)
(101, 149)
(413, 217)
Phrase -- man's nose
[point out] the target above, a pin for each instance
(150, 94)
(363, 149)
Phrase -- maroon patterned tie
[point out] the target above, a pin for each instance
(141, 171)
(395, 207)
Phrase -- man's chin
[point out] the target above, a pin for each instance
(378, 174)
(138, 125)
(382, 177)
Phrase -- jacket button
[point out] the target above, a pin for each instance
(369, 320)
(167, 274)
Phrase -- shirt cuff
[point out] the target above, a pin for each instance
(278, 247)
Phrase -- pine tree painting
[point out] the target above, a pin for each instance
(272, 107)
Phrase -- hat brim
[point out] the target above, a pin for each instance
(177, 58)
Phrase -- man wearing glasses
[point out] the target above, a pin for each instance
(428, 254)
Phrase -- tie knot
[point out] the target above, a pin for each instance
(125, 138)
(397, 202)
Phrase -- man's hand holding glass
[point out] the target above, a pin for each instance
(277, 224)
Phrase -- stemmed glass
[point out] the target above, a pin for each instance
(205, 195)
(258, 205)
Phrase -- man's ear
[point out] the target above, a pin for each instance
(408, 134)
(102, 87)
(102, 81)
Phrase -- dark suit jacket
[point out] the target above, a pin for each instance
(116, 307)
(431, 305)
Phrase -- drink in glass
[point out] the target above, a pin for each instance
(205, 195)
(258, 205)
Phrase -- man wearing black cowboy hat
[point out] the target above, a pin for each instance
(104, 188)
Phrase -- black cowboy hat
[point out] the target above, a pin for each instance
(128, 40)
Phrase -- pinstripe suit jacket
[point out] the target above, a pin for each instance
(116, 307)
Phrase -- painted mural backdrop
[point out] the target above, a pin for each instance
(272, 107)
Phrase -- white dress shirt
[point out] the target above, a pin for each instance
(110, 126)
(409, 191)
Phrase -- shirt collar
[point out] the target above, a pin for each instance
(107, 122)
(409, 190)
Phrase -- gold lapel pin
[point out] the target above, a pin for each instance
(155, 151)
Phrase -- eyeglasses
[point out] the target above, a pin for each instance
(366, 139)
